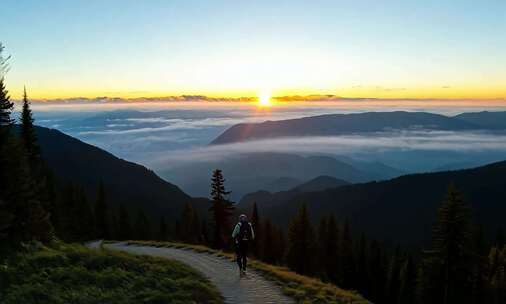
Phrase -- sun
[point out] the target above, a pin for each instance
(264, 100)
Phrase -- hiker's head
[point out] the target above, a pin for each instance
(243, 218)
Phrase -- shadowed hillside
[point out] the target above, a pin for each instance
(75, 161)
(401, 209)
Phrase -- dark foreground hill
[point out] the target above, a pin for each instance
(339, 124)
(128, 183)
(402, 209)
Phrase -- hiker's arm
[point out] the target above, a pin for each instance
(236, 231)
(252, 232)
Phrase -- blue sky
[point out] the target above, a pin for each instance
(353, 48)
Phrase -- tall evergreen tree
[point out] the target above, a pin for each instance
(322, 254)
(101, 213)
(221, 209)
(257, 226)
(446, 273)
(6, 106)
(407, 282)
(331, 249)
(346, 257)
(142, 226)
(83, 220)
(269, 246)
(190, 225)
(125, 228)
(163, 234)
(301, 247)
(28, 134)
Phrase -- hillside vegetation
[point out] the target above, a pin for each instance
(64, 273)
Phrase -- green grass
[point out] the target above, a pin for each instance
(302, 288)
(73, 274)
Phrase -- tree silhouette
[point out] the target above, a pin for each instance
(445, 277)
(221, 209)
(125, 228)
(142, 229)
(28, 134)
(300, 255)
(162, 230)
(102, 214)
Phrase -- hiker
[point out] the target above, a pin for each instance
(242, 234)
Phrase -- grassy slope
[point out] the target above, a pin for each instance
(74, 274)
(304, 289)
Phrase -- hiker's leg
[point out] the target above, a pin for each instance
(245, 254)
(238, 255)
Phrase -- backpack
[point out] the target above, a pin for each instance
(244, 231)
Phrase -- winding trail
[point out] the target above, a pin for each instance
(220, 271)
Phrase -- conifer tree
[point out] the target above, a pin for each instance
(28, 135)
(407, 279)
(162, 230)
(331, 249)
(5, 221)
(392, 276)
(221, 209)
(125, 228)
(83, 221)
(142, 227)
(190, 225)
(446, 273)
(347, 263)
(101, 213)
(322, 254)
(301, 248)
(6, 106)
(204, 232)
(269, 246)
(30, 221)
(257, 226)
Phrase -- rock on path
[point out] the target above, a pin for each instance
(222, 272)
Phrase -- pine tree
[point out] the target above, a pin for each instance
(407, 282)
(5, 221)
(142, 226)
(347, 271)
(125, 229)
(269, 246)
(393, 273)
(162, 230)
(331, 249)
(28, 135)
(322, 254)
(300, 255)
(83, 221)
(190, 225)
(221, 209)
(257, 226)
(30, 221)
(446, 268)
(6, 106)
(101, 213)
(361, 252)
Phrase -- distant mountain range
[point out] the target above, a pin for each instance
(128, 183)
(342, 124)
(400, 210)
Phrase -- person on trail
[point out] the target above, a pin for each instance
(242, 234)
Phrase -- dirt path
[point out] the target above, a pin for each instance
(222, 272)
